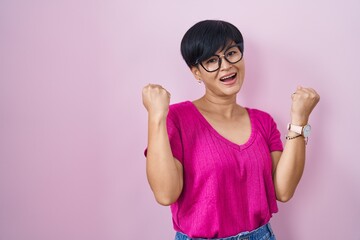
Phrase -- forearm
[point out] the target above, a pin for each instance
(290, 168)
(162, 169)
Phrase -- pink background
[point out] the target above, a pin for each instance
(73, 128)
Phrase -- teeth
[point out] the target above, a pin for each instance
(224, 78)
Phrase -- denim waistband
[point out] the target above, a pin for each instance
(263, 232)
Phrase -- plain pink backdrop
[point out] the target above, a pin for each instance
(73, 128)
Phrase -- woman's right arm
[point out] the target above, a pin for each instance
(164, 172)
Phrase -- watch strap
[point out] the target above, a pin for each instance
(295, 128)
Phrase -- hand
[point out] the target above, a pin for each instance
(304, 101)
(156, 100)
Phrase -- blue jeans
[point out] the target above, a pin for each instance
(262, 233)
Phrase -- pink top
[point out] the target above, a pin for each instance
(228, 188)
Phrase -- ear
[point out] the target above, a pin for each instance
(196, 72)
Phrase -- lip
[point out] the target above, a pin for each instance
(229, 83)
(226, 75)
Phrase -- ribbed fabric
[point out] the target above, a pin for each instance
(228, 188)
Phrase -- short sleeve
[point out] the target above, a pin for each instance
(174, 133)
(274, 140)
(175, 137)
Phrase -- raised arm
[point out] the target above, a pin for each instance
(288, 166)
(164, 172)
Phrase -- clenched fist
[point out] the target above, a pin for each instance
(156, 100)
(304, 101)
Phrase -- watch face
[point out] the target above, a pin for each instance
(306, 130)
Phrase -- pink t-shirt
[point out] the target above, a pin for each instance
(228, 188)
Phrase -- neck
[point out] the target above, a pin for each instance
(226, 107)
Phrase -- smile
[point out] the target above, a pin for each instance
(228, 78)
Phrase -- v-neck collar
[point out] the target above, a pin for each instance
(221, 137)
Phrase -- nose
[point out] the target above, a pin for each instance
(224, 64)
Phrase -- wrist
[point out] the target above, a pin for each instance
(300, 129)
(292, 134)
(157, 118)
(299, 119)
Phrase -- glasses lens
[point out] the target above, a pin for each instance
(211, 64)
(233, 54)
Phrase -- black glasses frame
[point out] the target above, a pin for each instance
(239, 45)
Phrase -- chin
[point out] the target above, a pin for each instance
(232, 91)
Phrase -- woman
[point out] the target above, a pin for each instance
(222, 166)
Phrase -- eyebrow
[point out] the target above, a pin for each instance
(224, 49)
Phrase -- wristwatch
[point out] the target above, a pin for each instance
(302, 130)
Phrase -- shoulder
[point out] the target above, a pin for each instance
(181, 111)
(259, 114)
(261, 120)
(267, 127)
(180, 108)
(182, 117)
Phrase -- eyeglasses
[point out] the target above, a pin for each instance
(232, 55)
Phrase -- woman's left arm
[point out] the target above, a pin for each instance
(288, 165)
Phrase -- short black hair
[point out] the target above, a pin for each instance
(205, 38)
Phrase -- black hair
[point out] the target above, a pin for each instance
(205, 38)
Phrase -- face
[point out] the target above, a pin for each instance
(227, 80)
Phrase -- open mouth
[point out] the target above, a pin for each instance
(228, 78)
